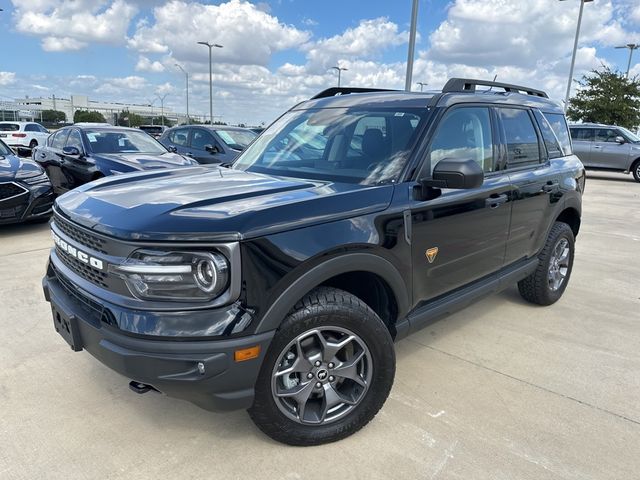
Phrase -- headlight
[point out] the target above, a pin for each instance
(175, 276)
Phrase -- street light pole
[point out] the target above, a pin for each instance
(187, 80)
(339, 70)
(210, 45)
(631, 47)
(573, 55)
(161, 98)
(422, 84)
(412, 45)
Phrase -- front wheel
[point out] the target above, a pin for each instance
(635, 169)
(555, 262)
(327, 373)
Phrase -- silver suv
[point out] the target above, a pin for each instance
(607, 147)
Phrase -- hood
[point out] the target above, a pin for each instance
(210, 203)
(13, 167)
(142, 161)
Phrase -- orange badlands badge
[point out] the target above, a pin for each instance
(431, 254)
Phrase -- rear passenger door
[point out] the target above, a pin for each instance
(535, 181)
(582, 139)
(461, 235)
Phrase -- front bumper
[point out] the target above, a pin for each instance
(170, 366)
(36, 204)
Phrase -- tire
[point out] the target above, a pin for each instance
(33, 144)
(555, 262)
(335, 316)
(635, 169)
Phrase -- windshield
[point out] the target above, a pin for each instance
(237, 139)
(632, 137)
(123, 141)
(336, 144)
(9, 127)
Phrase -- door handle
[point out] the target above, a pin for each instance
(597, 146)
(495, 200)
(550, 186)
(189, 154)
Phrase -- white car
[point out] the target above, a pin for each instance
(23, 135)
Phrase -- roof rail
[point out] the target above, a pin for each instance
(334, 91)
(469, 85)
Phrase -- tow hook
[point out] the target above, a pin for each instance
(141, 388)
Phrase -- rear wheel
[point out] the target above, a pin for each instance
(33, 144)
(555, 262)
(635, 169)
(327, 373)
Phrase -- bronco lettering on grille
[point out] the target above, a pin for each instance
(76, 253)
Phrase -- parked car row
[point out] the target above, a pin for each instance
(23, 135)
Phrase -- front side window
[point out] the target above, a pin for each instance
(365, 146)
(606, 135)
(463, 134)
(123, 141)
(523, 148)
(201, 139)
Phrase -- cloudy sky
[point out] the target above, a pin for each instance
(279, 52)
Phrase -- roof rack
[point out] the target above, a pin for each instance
(469, 85)
(334, 91)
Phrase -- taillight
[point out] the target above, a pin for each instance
(19, 135)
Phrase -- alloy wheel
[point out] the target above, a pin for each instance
(559, 264)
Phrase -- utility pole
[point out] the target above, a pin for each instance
(422, 84)
(631, 47)
(339, 70)
(187, 80)
(412, 45)
(211, 46)
(573, 55)
(161, 98)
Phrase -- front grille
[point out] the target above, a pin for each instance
(10, 190)
(103, 313)
(85, 271)
(85, 238)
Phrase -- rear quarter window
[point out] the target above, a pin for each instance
(558, 124)
(551, 142)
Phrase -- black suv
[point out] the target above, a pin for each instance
(280, 284)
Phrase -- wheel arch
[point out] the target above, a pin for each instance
(571, 217)
(345, 271)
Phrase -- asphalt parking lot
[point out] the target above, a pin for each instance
(501, 390)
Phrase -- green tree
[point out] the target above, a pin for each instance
(607, 97)
(88, 116)
(158, 121)
(53, 116)
(128, 119)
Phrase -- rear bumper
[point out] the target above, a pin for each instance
(170, 366)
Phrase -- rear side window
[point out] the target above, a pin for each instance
(59, 139)
(75, 140)
(464, 133)
(558, 124)
(582, 134)
(523, 148)
(31, 127)
(179, 137)
(9, 127)
(549, 137)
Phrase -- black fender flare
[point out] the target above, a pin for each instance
(352, 262)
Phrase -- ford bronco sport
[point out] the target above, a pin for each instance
(280, 284)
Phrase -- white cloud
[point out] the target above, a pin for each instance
(146, 65)
(249, 35)
(7, 78)
(65, 25)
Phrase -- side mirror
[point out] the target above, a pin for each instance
(212, 149)
(71, 152)
(452, 173)
(620, 139)
(172, 149)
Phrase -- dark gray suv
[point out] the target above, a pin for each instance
(607, 147)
